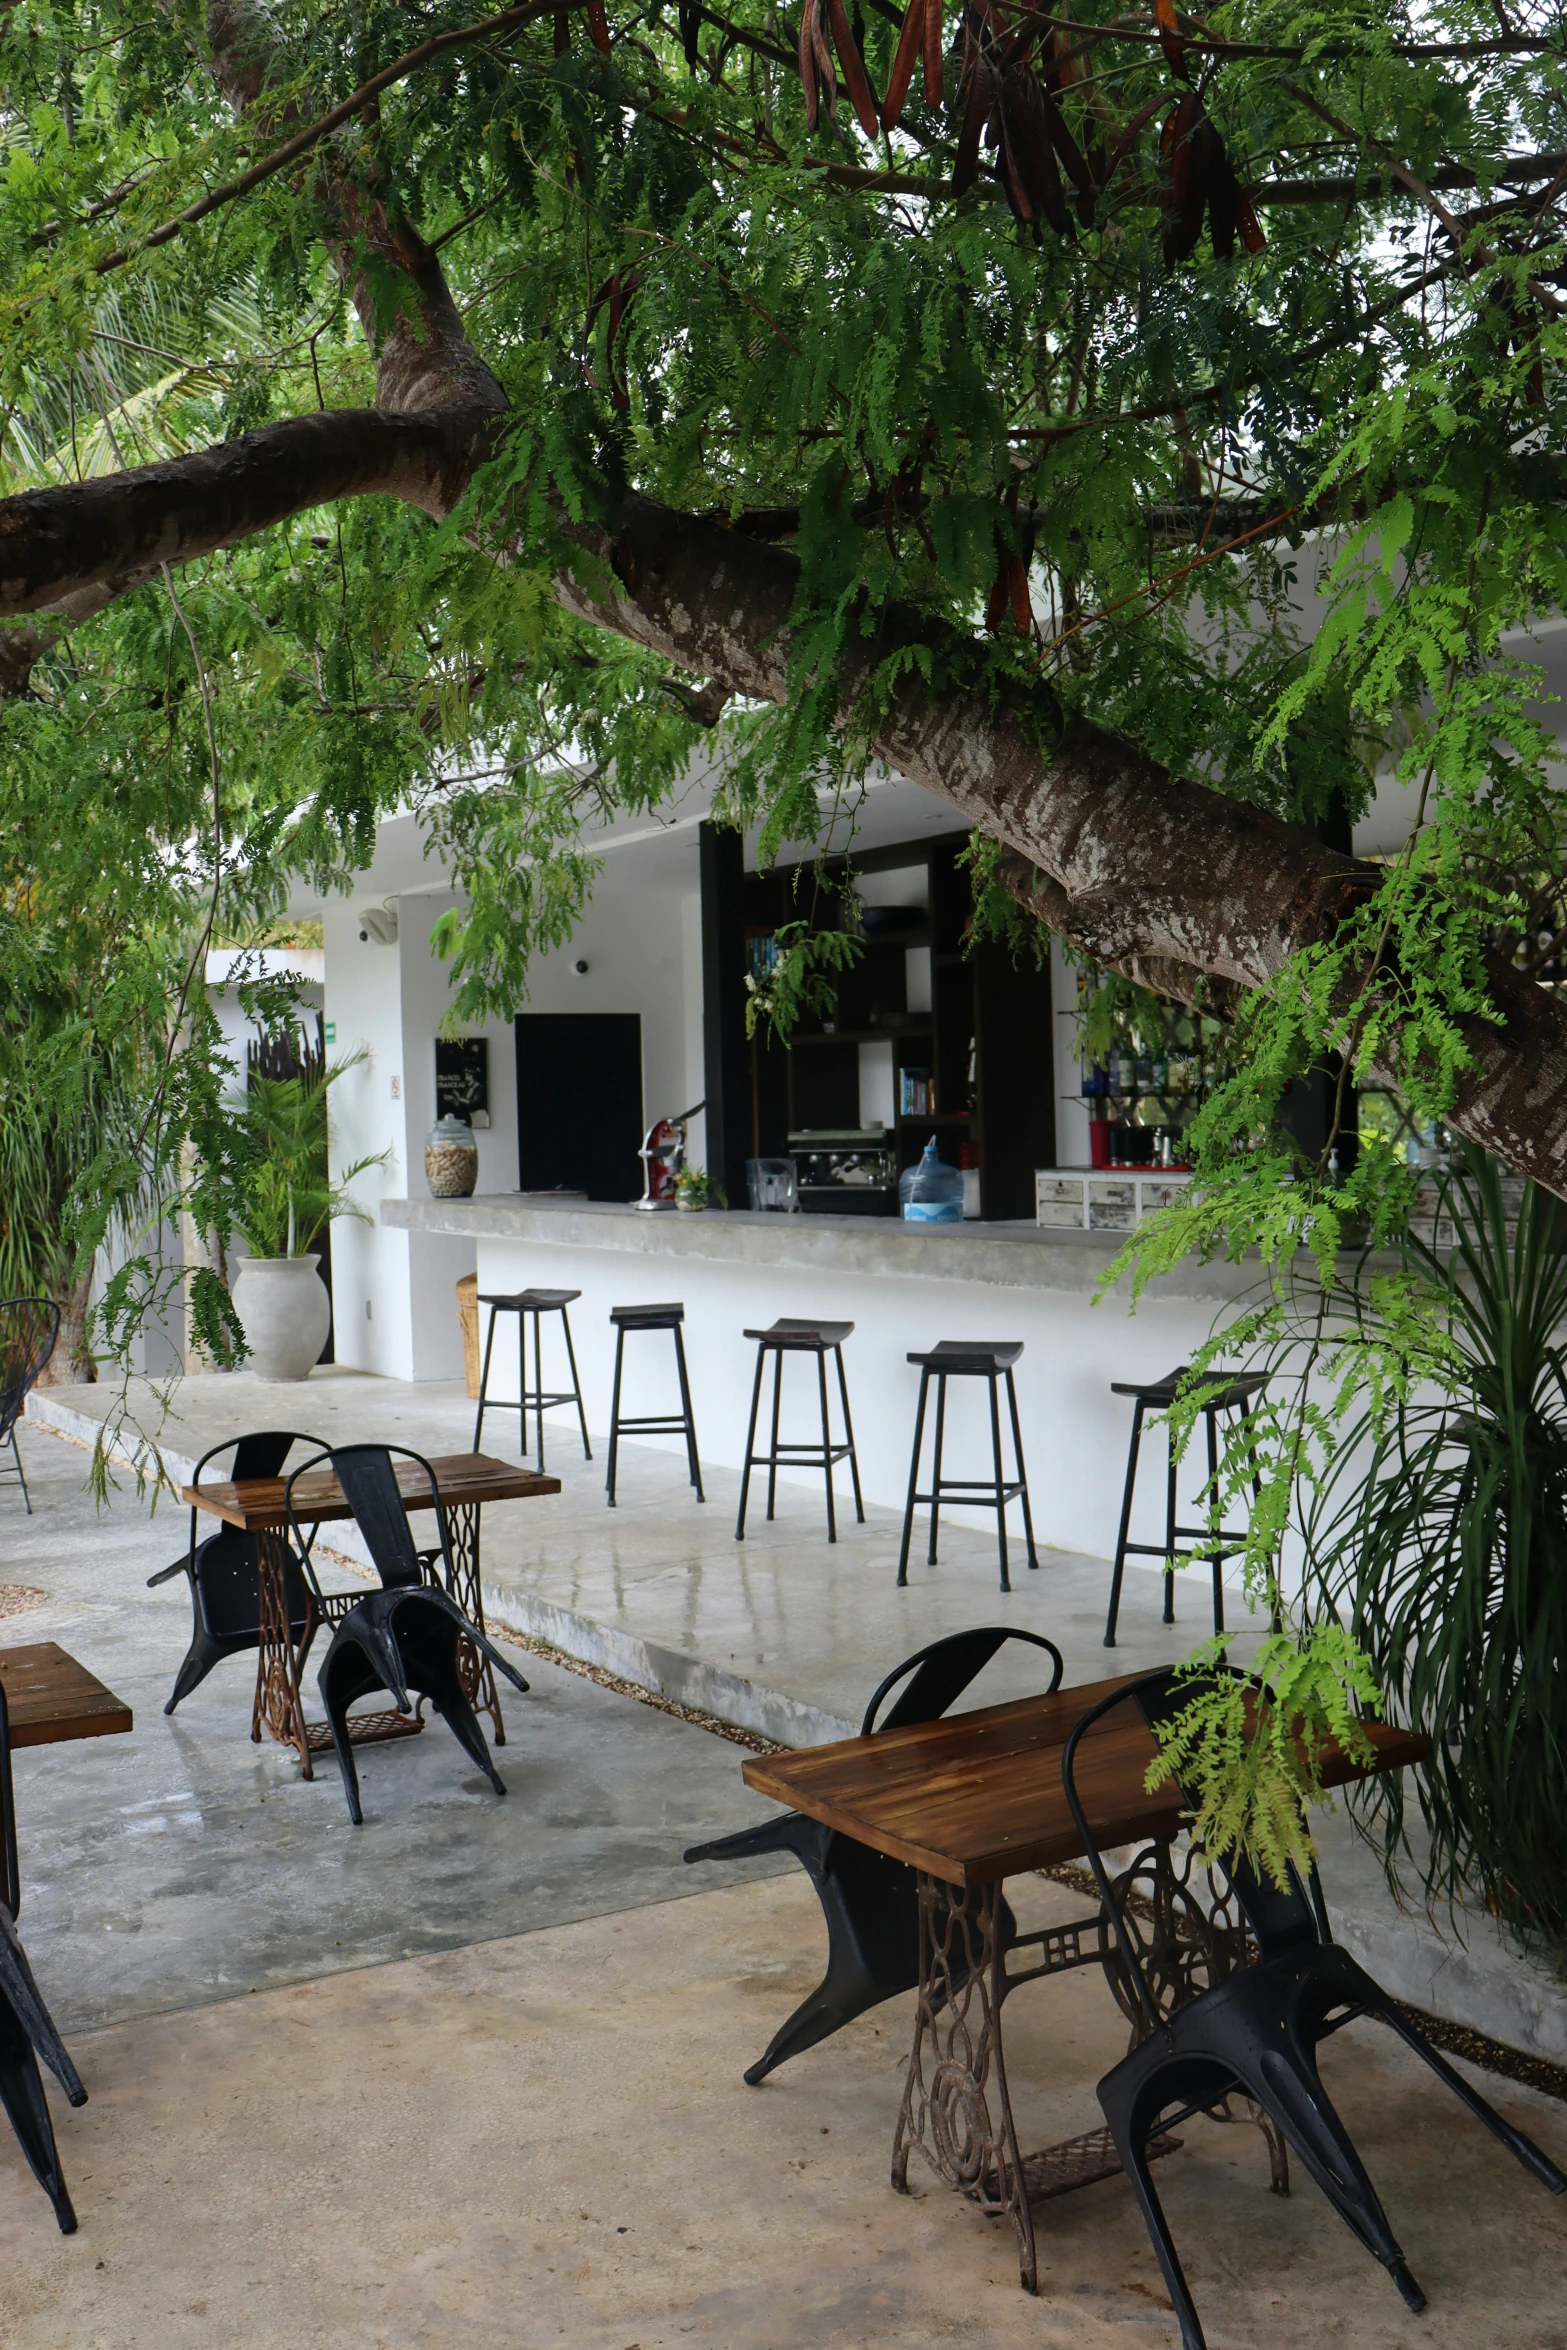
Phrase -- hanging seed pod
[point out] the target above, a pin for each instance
(598, 26)
(855, 78)
(690, 21)
(807, 58)
(933, 76)
(1029, 162)
(1229, 209)
(1170, 40)
(979, 110)
(1185, 155)
(909, 43)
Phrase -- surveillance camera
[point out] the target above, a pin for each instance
(364, 937)
(580, 968)
(380, 924)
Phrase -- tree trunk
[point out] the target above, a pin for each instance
(71, 1364)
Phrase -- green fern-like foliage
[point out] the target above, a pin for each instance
(1248, 1750)
(1439, 1541)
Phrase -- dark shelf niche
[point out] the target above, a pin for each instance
(979, 995)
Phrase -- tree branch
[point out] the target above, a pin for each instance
(79, 546)
(1146, 869)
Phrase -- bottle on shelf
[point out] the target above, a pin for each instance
(930, 1192)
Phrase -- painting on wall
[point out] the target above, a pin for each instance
(462, 1078)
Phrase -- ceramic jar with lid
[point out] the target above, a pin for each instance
(451, 1159)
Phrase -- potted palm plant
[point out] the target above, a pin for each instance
(286, 1200)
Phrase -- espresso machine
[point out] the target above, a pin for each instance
(846, 1171)
(663, 1154)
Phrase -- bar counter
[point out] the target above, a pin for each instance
(1021, 1256)
(904, 1286)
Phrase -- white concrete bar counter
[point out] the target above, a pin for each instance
(904, 1286)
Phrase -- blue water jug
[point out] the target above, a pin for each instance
(931, 1193)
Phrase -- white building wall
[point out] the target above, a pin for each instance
(642, 948)
(364, 1000)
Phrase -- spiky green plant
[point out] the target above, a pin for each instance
(1442, 1545)
(286, 1193)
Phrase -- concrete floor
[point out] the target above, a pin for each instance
(532, 2128)
(546, 2141)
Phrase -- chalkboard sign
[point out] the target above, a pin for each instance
(462, 1078)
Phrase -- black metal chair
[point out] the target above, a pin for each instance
(820, 1339)
(29, 1328)
(962, 1358)
(870, 1903)
(663, 1317)
(224, 1573)
(522, 1303)
(26, 2027)
(1234, 1391)
(408, 1635)
(1255, 2033)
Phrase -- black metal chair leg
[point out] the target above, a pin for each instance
(1022, 1474)
(685, 1405)
(750, 1442)
(27, 1499)
(1215, 1516)
(614, 1417)
(1522, 2149)
(27, 2109)
(1170, 1514)
(1001, 1490)
(1124, 1531)
(821, 1373)
(447, 1697)
(337, 1705)
(571, 1357)
(1121, 2114)
(484, 1384)
(935, 1475)
(200, 1658)
(848, 1431)
(914, 1478)
(772, 1461)
(538, 1376)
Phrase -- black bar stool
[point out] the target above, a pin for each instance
(522, 1303)
(1233, 1396)
(964, 1358)
(820, 1339)
(659, 1424)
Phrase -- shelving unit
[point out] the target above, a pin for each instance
(980, 1003)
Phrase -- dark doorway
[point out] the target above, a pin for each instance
(579, 1102)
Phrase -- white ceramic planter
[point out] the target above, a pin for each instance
(285, 1313)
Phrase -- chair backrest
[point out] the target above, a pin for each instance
(1280, 1917)
(260, 1454)
(943, 1670)
(29, 1327)
(367, 1473)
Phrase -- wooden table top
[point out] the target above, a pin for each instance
(50, 1697)
(464, 1477)
(978, 1796)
